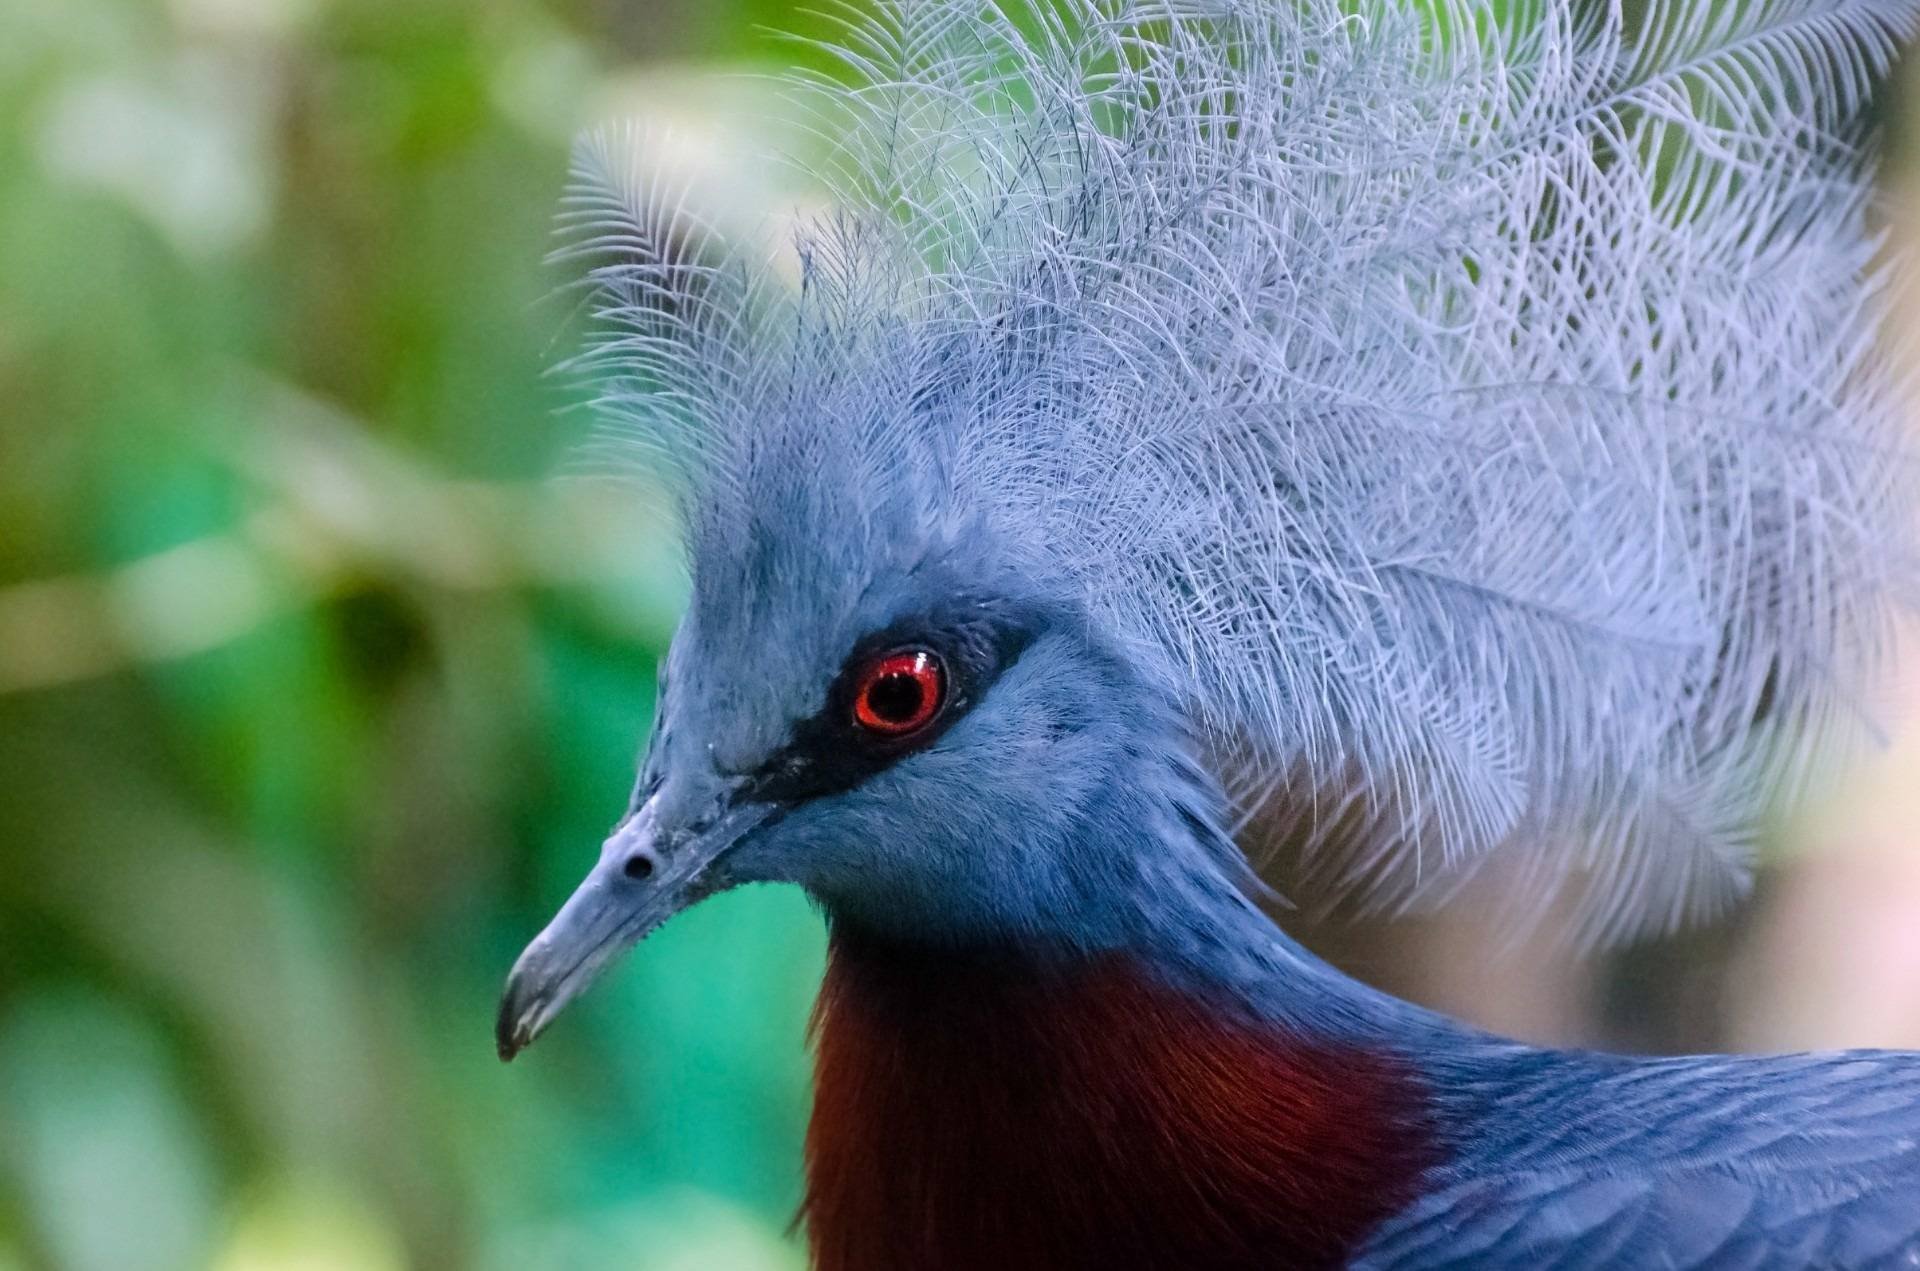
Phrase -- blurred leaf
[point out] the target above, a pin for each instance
(99, 1127)
(307, 1226)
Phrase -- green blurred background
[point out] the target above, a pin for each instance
(315, 695)
(317, 691)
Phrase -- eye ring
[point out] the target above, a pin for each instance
(899, 693)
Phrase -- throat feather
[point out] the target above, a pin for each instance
(981, 1109)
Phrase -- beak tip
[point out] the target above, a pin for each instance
(512, 1032)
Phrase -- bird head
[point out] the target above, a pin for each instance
(870, 696)
(1450, 474)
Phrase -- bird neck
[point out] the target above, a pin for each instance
(1136, 1068)
(992, 1106)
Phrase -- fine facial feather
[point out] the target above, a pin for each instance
(1475, 424)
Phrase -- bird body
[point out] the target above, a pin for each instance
(973, 1108)
(1453, 432)
(1572, 1159)
(1239, 1104)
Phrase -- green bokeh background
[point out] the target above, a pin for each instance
(318, 690)
(316, 693)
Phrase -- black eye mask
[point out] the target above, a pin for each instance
(829, 752)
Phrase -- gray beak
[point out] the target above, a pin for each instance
(637, 885)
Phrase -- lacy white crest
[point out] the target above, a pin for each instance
(1478, 422)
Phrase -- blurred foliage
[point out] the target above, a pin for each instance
(315, 698)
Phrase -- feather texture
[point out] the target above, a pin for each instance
(1476, 421)
(1703, 1162)
(1177, 1134)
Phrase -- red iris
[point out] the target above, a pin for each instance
(899, 693)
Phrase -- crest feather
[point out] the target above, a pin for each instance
(1477, 421)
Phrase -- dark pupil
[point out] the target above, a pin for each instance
(896, 698)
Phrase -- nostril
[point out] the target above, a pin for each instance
(639, 867)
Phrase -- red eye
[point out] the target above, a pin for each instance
(899, 693)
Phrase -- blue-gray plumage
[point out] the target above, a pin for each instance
(1460, 432)
(1581, 1160)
